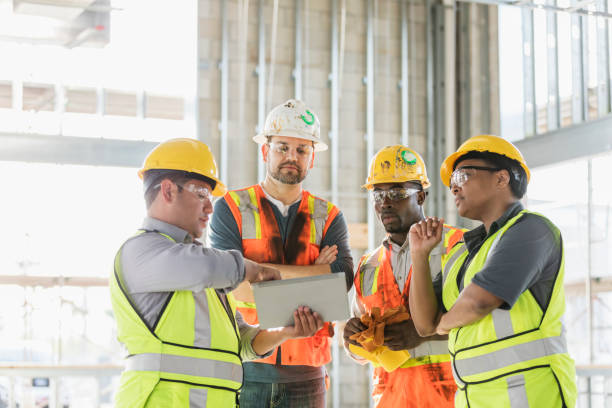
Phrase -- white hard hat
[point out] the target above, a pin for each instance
(292, 119)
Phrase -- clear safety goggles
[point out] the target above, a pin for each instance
(461, 175)
(202, 193)
(302, 151)
(395, 194)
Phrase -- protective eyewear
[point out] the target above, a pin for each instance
(302, 151)
(461, 175)
(395, 194)
(202, 193)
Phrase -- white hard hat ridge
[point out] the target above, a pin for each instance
(292, 119)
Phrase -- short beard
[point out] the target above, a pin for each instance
(288, 178)
(394, 230)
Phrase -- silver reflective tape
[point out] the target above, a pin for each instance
(430, 348)
(510, 355)
(246, 209)
(201, 320)
(368, 279)
(197, 367)
(502, 323)
(451, 261)
(320, 218)
(458, 380)
(517, 394)
(197, 397)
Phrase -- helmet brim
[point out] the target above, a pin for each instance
(319, 146)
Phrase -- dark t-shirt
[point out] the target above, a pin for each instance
(224, 234)
(527, 257)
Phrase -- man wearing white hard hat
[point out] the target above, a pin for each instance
(277, 222)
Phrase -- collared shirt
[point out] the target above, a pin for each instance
(527, 256)
(154, 267)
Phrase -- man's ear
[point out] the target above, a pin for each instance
(312, 160)
(421, 195)
(166, 190)
(265, 148)
(502, 178)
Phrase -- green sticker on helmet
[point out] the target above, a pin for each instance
(409, 157)
(309, 121)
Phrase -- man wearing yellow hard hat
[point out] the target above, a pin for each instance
(278, 222)
(170, 295)
(502, 297)
(417, 373)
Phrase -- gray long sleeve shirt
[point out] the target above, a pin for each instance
(153, 267)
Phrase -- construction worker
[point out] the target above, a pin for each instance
(397, 181)
(170, 295)
(277, 222)
(502, 297)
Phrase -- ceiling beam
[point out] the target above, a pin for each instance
(568, 143)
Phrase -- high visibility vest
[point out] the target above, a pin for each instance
(189, 358)
(425, 379)
(262, 242)
(510, 358)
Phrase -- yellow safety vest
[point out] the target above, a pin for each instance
(190, 358)
(510, 358)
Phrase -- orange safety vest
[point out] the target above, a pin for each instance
(426, 379)
(262, 242)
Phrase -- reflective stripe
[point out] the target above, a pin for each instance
(197, 397)
(249, 212)
(245, 305)
(367, 279)
(449, 264)
(430, 348)
(201, 320)
(375, 281)
(510, 355)
(368, 272)
(458, 379)
(318, 211)
(313, 228)
(196, 367)
(502, 322)
(255, 208)
(517, 394)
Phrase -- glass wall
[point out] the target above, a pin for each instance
(577, 197)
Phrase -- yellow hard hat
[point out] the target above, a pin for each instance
(188, 155)
(396, 164)
(482, 143)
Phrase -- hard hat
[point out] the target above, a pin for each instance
(482, 143)
(188, 155)
(396, 164)
(292, 119)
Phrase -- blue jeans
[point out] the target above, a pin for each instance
(305, 394)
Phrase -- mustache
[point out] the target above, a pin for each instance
(290, 163)
(387, 213)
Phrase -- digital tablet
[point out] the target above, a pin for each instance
(324, 294)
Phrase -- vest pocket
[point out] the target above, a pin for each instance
(534, 387)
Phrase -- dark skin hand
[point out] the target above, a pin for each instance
(404, 336)
(353, 326)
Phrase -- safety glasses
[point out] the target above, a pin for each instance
(283, 149)
(202, 193)
(395, 194)
(461, 175)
